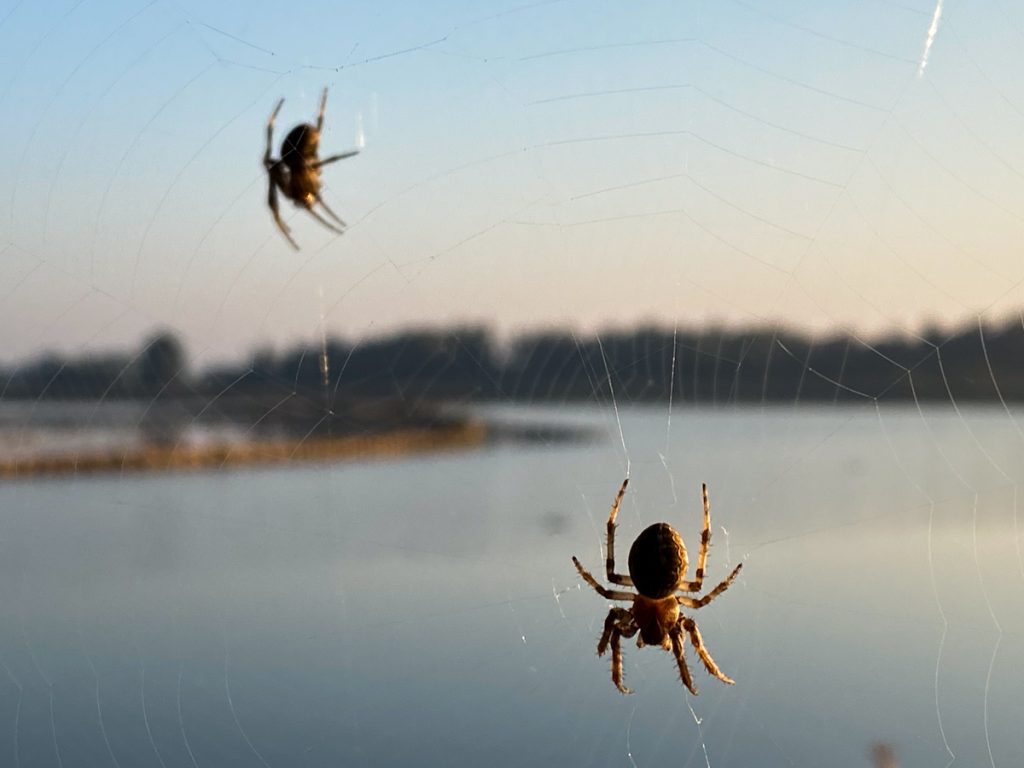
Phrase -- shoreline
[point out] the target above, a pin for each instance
(157, 458)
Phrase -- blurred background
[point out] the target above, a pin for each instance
(261, 506)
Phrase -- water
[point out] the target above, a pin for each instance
(425, 611)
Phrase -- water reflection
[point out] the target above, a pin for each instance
(426, 612)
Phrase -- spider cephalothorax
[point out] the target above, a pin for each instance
(657, 569)
(297, 172)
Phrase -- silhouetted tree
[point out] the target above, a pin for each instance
(162, 366)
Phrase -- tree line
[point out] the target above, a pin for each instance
(704, 366)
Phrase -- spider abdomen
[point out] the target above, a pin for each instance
(301, 143)
(658, 561)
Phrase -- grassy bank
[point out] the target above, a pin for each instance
(159, 458)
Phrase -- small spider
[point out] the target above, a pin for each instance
(297, 173)
(657, 569)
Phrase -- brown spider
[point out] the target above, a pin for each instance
(657, 568)
(297, 172)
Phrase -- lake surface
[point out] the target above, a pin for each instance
(425, 611)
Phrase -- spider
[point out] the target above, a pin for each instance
(657, 569)
(297, 173)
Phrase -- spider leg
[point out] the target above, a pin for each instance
(267, 162)
(607, 594)
(609, 564)
(690, 602)
(705, 542)
(677, 651)
(324, 221)
(275, 209)
(334, 158)
(332, 214)
(698, 645)
(323, 108)
(609, 627)
(620, 620)
(617, 662)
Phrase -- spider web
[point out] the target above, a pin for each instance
(769, 247)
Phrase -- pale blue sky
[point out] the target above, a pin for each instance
(592, 164)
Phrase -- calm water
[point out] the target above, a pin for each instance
(425, 612)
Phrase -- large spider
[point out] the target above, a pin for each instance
(297, 172)
(657, 569)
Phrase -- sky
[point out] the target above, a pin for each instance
(580, 163)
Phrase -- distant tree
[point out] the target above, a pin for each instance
(264, 361)
(932, 333)
(162, 365)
